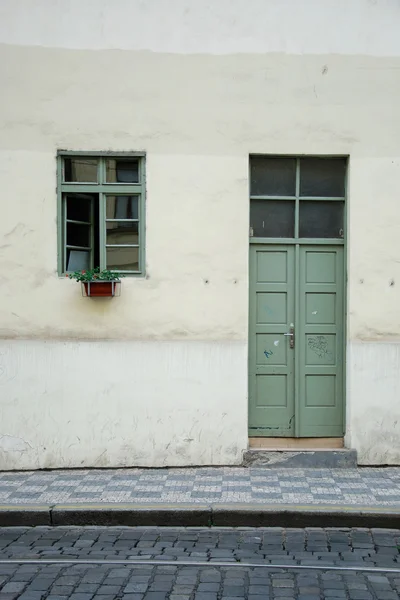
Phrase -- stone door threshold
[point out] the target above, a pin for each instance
(270, 443)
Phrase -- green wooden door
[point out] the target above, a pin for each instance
(296, 381)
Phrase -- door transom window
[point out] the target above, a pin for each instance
(296, 198)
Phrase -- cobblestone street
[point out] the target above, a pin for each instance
(318, 549)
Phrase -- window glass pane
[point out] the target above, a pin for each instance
(322, 177)
(80, 168)
(122, 232)
(122, 170)
(320, 219)
(272, 176)
(272, 218)
(123, 259)
(77, 260)
(78, 235)
(78, 207)
(122, 207)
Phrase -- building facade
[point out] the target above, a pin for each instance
(240, 160)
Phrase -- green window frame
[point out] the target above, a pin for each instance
(101, 222)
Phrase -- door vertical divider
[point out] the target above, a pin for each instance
(297, 343)
(296, 306)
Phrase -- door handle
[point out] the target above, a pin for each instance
(291, 335)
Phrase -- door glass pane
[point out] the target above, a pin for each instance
(272, 176)
(272, 218)
(122, 207)
(320, 219)
(122, 170)
(78, 235)
(81, 169)
(122, 232)
(322, 177)
(78, 207)
(123, 259)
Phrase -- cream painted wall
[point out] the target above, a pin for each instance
(368, 27)
(155, 76)
(196, 275)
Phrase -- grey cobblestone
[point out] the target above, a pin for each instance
(13, 587)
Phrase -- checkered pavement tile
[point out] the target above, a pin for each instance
(365, 486)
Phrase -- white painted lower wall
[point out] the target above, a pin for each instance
(157, 404)
(373, 402)
(105, 403)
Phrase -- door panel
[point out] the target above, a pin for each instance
(320, 335)
(271, 365)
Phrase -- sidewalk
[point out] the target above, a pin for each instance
(203, 496)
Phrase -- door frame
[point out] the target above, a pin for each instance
(297, 241)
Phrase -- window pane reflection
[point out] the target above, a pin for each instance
(122, 232)
(122, 207)
(123, 259)
(122, 171)
(77, 260)
(80, 169)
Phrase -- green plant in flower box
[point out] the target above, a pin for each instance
(94, 275)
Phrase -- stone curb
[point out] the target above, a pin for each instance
(15, 515)
(303, 516)
(198, 515)
(133, 515)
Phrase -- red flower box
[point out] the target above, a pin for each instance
(101, 289)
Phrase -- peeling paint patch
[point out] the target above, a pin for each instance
(10, 443)
(276, 343)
